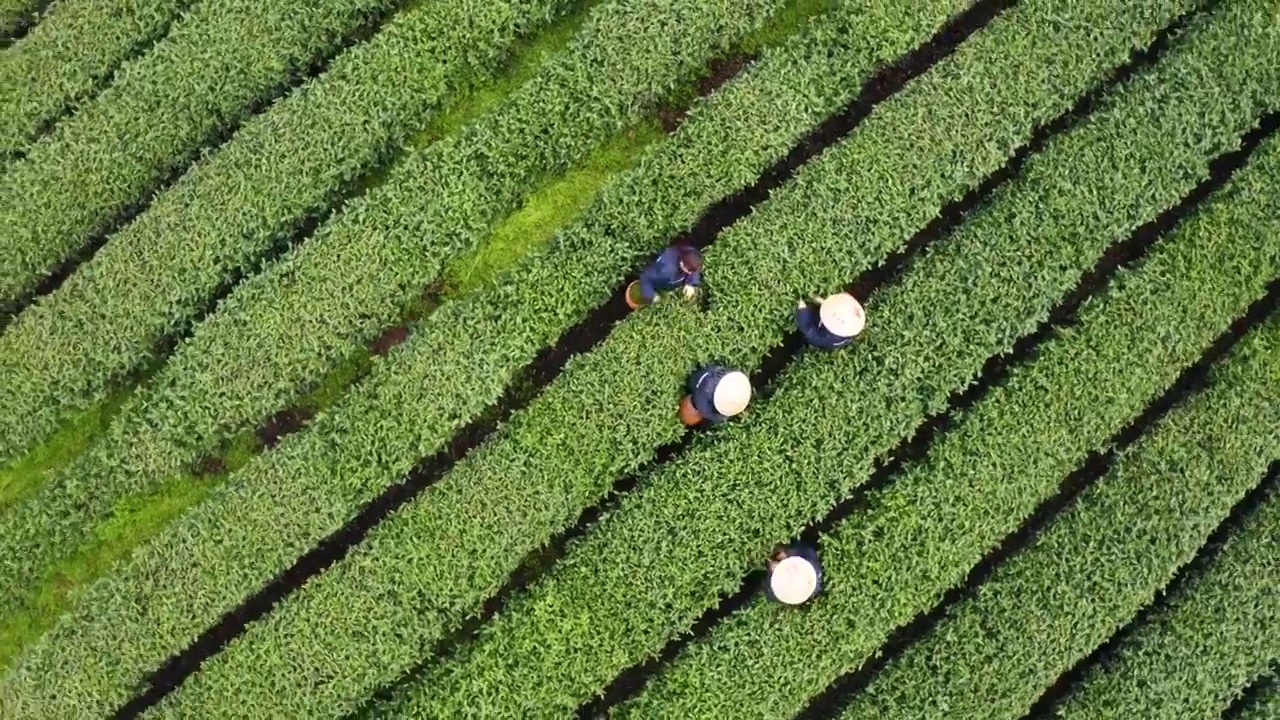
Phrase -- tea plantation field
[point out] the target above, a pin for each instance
(320, 395)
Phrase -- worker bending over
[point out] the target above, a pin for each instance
(795, 575)
(838, 320)
(716, 393)
(677, 266)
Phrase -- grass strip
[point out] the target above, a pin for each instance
(292, 323)
(552, 206)
(634, 583)
(65, 58)
(1096, 181)
(223, 216)
(23, 477)
(557, 201)
(759, 116)
(1204, 643)
(108, 544)
(1102, 559)
(201, 80)
(134, 520)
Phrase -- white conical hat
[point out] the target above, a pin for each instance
(842, 315)
(794, 580)
(732, 394)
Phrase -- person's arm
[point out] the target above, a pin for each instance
(656, 276)
(647, 289)
(710, 373)
(694, 279)
(807, 322)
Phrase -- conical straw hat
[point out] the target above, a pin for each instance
(842, 315)
(794, 580)
(732, 394)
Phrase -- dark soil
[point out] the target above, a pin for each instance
(721, 71)
(390, 338)
(718, 72)
(284, 423)
(210, 466)
(669, 119)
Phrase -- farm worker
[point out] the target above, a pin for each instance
(716, 393)
(838, 320)
(677, 266)
(795, 575)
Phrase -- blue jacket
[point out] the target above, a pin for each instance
(807, 553)
(702, 391)
(814, 333)
(664, 273)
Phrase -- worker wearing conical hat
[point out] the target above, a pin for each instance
(795, 575)
(679, 266)
(716, 393)
(837, 321)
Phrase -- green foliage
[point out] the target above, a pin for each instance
(133, 521)
(1103, 558)
(162, 107)
(283, 503)
(339, 290)
(633, 583)
(534, 224)
(69, 54)
(523, 63)
(1208, 640)
(985, 476)
(21, 478)
(553, 206)
(422, 570)
(299, 318)
(107, 545)
(284, 166)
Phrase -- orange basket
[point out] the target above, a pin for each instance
(634, 300)
(689, 415)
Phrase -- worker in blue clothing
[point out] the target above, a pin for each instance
(837, 321)
(679, 266)
(716, 393)
(795, 575)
